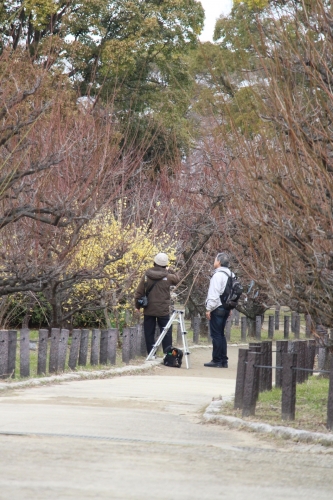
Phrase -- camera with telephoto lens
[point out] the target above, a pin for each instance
(143, 301)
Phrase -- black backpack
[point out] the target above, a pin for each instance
(173, 357)
(232, 292)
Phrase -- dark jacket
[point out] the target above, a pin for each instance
(159, 298)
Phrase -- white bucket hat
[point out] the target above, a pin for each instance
(161, 259)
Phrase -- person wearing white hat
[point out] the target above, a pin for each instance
(155, 285)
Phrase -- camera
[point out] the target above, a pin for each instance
(143, 301)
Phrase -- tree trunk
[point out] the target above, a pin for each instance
(251, 327)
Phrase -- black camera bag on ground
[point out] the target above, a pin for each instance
(173, 357)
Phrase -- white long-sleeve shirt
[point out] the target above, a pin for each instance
(216, 287)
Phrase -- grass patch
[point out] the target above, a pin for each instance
(311, 406)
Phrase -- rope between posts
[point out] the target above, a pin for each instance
(292, 367)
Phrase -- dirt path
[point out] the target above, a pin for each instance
(142, 437)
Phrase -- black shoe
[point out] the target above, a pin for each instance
(212, 364)
(224, 365)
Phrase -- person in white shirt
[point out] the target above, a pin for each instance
(215, 312)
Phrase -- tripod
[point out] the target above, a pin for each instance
(178, 316)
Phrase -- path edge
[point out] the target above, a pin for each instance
(213, 414)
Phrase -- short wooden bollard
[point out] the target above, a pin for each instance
(271, 320)
(308, 326)
(74, 351)
(95, 343)
(329, 422)
(126, 345)
(281, 348)
(299, 349)
(24, 352)
(251, 386)
(286, 327)
(112, 345)
(3, 353)
(179, 335)
(266, 360)
(54, 350)
(103, 353)
(292, 321)
(297, 326)
(196, 330)
(12, 348)
(236, 317)
(258, 327)
(83, 352)
(240, 378)
(288, 386)
(243, 328)
(63, 346)
(302, 362)
(321, 358)
(143, 347)
(132, 342)
(42, 351)
(204, 328)
(277, 318)
(311, 354)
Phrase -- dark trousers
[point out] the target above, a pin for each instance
(149, 326)
(218, 319)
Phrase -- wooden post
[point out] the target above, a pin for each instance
(83, 353)
(271, 326)
(308, 326)
(268, 361)
(292, 321)
(126, 345)
(281, 348)
(258, 327)
(288, 386)
(3, 353)
(112, 345)
(297, 325)
(251, 386)
(74, 351)
(42, 351)
(286, 327)
(321, 358)
(179, 335)
(95, 343)
(63, 346)
(103, 354)
(243, 328)
(311, 354)
(329, 423)
(196, 330)
(143, 347)
(236, 317)
(12, 347)
(302, 364)
(204, 327)
(24, 352)
(54, 350)
(132, 342)
(240, 378)
(277, 318)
